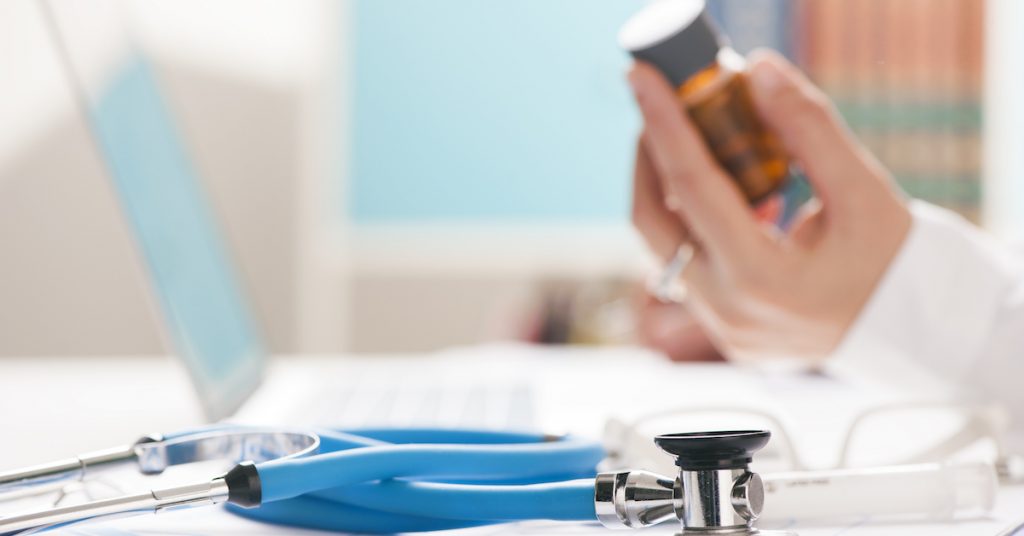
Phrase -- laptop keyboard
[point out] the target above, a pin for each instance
(410, 402)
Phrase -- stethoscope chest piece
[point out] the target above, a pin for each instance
(715, 493)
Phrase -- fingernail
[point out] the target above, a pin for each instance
(767, 77)
(673, 203)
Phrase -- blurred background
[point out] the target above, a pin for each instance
(394, 175)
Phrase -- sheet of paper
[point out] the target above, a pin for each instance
(578, 389)
(217, 521)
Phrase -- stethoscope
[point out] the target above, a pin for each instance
(407, 480)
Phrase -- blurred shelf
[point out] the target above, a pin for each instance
(474, 248)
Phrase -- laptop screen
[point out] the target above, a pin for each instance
(194, 283)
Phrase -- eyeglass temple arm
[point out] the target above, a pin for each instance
(983, 421)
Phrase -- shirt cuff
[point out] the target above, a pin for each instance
(930, 315)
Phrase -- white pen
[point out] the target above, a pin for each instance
(932, 492)
(665, 287)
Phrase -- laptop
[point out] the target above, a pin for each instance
(206, 314)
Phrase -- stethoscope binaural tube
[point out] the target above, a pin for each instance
(387, 488)
(542, 462)
(428, 506)
(381, 481)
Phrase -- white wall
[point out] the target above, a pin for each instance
(251, 85)
(1003, 135)
(68, 277)
(291, 55)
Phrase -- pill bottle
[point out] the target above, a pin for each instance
(679, 39)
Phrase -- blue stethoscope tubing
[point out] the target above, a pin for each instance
(411, 480)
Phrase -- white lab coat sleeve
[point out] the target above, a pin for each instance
(951, 304)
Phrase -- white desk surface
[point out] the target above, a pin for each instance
(52, 407)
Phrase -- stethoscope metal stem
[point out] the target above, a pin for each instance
(65, 470)
(152, 455)
(200, 494)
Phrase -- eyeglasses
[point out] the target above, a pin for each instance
(890, 434)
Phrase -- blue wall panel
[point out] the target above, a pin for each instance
(470, 110)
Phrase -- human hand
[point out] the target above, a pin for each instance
(671, 330)
(758, 293)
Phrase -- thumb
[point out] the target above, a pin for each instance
(811, 130)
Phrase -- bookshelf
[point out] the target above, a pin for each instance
(905, 74)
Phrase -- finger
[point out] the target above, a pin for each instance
(660, 227)
(807, 224)
(808, 125)
(673, 330)
(708, 201)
